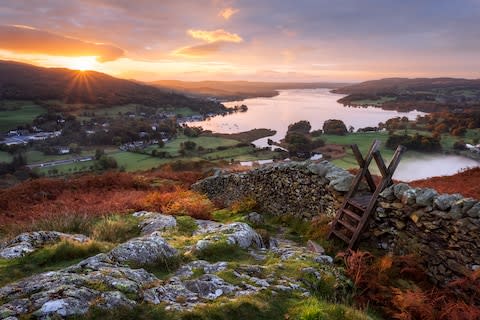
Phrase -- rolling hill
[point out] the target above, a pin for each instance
(19, 81)
(237, 90)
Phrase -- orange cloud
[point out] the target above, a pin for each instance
(199, 50)
(28, 40)
(214, 36)
(227, 13)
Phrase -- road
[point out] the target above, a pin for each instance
(59, 162)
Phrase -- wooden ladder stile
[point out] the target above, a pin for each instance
(353, 214)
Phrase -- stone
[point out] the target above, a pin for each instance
(254, 218)
(30, 241)
(323, 259)
(156, 222)
(237, 233)
(341, 183)
(425, 197)
(209, 286)
(445, 201)
(314, 247)
(387, 193)
(399, 189)
(409, 196)
(144, 250)
(416, 215)
(474, 212)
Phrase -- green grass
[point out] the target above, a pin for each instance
(113, 112)
(136, 162)
(116, 229)
(34, 156)
(186, 225)
(173, 147)
(18, 113)
(222, 251)
(53, 257)
(5, 157)
(65, 169)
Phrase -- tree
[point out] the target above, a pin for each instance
(99, 153)
(188, 145)
(334, 126)
(302, 126)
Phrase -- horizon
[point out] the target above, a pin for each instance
(275, 41)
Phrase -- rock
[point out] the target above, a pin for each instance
(324, 259)
(62, 307)
(425, 197)
(409, 196)
(188, 270)
(387, 193)
(209, 286)
(30, 241)
(237, 233)
(156, 222)
(445, 201)
(342, 182)
(416, 215)
(255, 218)
(474, 212)
(315, 247)
(399, 189)
(144, 250)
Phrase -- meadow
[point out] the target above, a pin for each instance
(16, 113)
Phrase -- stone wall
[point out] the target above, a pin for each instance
(442, 229)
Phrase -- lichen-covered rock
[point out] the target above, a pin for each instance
(399, 189)
(188, 270)
(237, 233)
(209, 286)
(30, 241)
(425, 197)
(144, 250)
(254, 218)
(155, 222)
(445, 201)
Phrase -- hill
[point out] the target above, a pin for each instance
(425, 94)
(237, 90)
(19, 81)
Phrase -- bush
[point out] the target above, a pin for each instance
(180, 202)
(302, 127)
(244, 205)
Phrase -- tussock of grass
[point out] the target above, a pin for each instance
(49, 258)
(115, 229)
(186, 225)
(222, 251)
(314, 309)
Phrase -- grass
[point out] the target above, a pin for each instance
(222, 251)
(136, 162)
(186, 225)
(16, 113)
(371, 102)
(5, 157)
(53, 257)
(173, 147)
(116, 229)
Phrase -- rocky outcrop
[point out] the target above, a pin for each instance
(30, 241)
(442, 229)
(154, 221)
(110, 280)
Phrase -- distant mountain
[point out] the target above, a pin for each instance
(425, 94)
(19, 81)
(236, 90)
(400, 85)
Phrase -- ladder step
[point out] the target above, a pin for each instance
(352, 214)
(341, 236)
(347, 225)
(360, 202)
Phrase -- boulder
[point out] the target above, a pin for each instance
(237, 233)
(157, 222)
(144, 250)
(425, 197)
(445, 201)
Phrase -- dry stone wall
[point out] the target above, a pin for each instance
(442, 229)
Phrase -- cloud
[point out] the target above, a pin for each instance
(199, 50)
(215, 36)
(227, 13)
(25, 39)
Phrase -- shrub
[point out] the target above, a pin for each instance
(244, 205)
(334, 126)
(115, 229)
(180, 202)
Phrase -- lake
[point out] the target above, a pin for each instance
(316, 106)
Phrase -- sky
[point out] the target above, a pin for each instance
(261, 40)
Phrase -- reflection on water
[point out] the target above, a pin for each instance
(314, 105)
(431, 166)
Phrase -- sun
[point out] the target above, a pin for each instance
(82, 63)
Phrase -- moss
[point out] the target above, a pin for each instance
(186, 225)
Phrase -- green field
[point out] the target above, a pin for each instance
(19, 114)
(5, 157)
(136, 162)
(173, 147)
(114, 112)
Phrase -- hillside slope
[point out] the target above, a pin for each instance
(19, 81)
(236, 90)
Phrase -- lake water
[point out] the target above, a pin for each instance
(316, 106)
